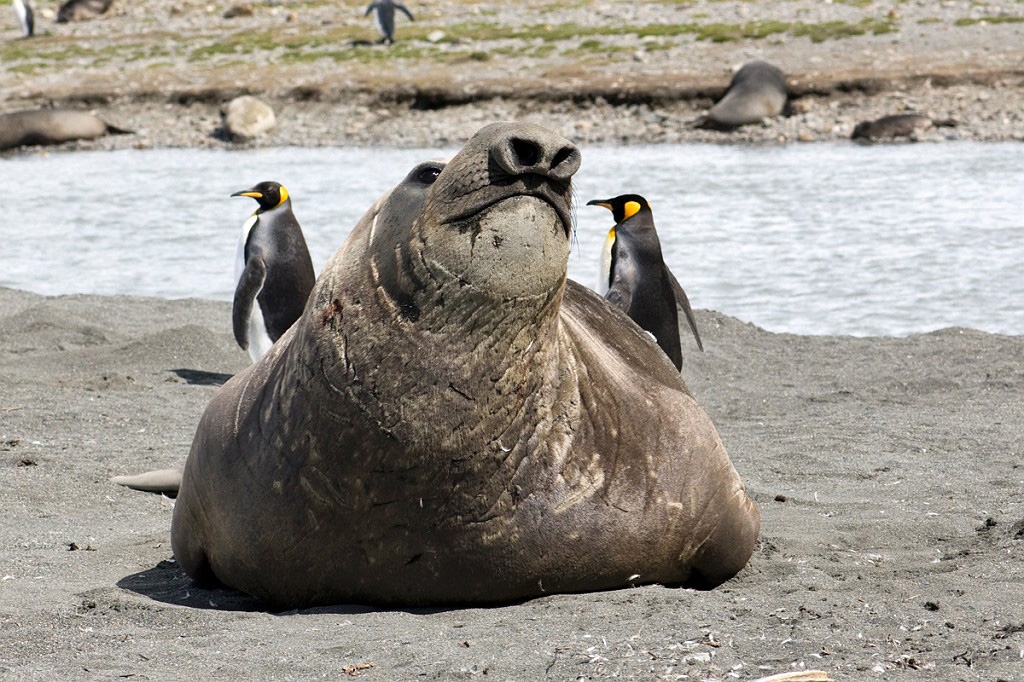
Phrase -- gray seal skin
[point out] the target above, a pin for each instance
(51, 126)
(756, 92)
(453, 421)
(896, 125)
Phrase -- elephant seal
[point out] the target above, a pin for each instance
(897, 125)
(756, 92)
(51, 126)
(452, 421)
(81, 10)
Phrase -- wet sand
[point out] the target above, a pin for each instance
(888, 473)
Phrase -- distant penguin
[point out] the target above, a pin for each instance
(273, 270)
(636, 279)
(385, 17)
(25, 17)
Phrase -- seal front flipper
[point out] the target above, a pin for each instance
(162, 481)
(683, 304)
(249, 286)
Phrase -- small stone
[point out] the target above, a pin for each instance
(246, 117)
(435, 36)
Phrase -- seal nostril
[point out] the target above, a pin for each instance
(525, 152)
(563, 154)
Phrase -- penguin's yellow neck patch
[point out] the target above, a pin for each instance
(630, 209)
(284, 196)
(610, 239)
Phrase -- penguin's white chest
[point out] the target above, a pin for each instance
(259, 340)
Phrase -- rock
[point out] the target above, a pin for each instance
(435, 36)
(246, 117)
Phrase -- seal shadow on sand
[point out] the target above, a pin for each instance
(202, 377)
(168, 584)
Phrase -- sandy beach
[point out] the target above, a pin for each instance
(887, 472)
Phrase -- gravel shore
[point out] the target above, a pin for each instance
(598, 72)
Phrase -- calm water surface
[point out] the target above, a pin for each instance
(819, 239)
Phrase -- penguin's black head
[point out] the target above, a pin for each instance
(623, 207)
(268, 194)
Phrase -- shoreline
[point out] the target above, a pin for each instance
(600, 72)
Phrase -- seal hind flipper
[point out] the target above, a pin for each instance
(683, 303)
(249, 286)
(162, 481)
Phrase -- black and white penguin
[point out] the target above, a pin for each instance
(25, 17)
(384, 14)
(634, 276)
(273, 270)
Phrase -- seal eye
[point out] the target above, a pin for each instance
(428, 174)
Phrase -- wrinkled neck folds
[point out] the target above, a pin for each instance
(432, 358)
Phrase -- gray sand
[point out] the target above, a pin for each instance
(888, 473)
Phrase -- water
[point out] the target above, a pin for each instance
(816, 239)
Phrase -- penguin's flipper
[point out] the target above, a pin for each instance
(370, 9)
(162, 481)
(404, 10)
(683, 303)
(621, 292)
(249, 286)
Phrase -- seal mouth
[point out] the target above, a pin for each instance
(547, 192)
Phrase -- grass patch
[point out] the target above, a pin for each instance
(840, 29)
(27, 68)
(1002, 19)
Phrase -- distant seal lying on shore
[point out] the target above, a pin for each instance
(756, 92)
(82, 10)
(897, 125)
(453, 421)
(51, 126)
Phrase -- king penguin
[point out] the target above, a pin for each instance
(634, 276)
(25, 17)
(273, 270)
(385, 17)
